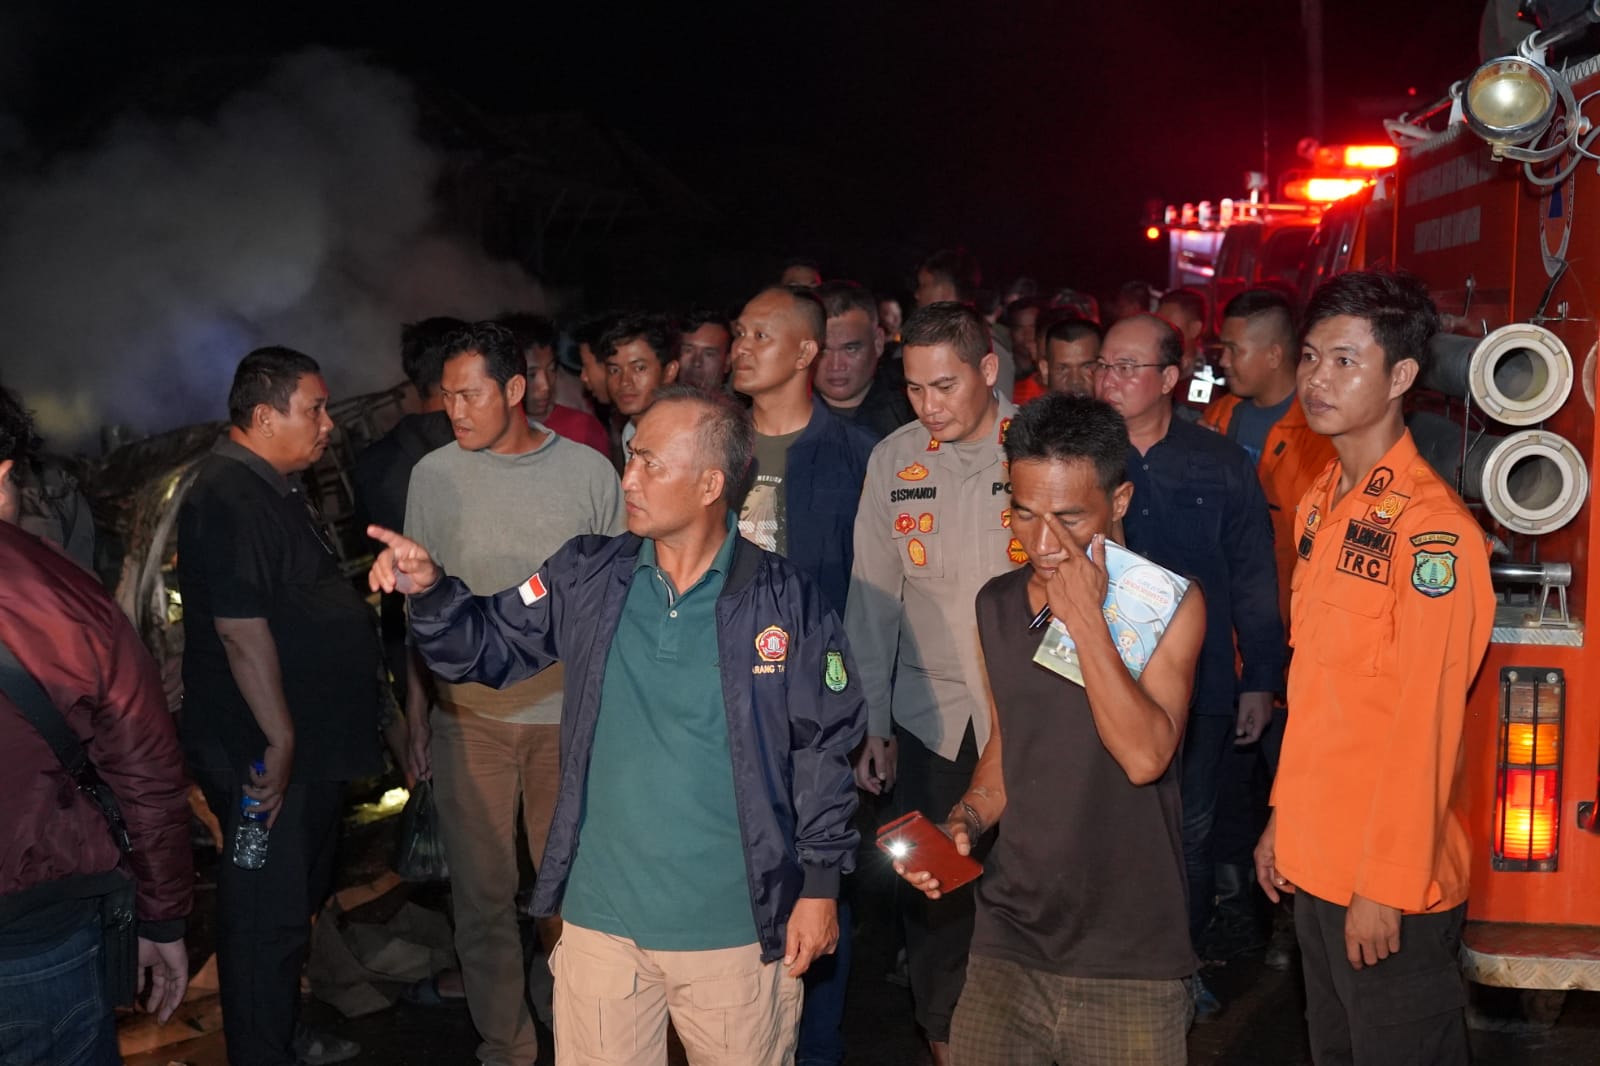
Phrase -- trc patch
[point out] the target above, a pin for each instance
(1372, 539)
(1433, 573)
(772, 644)
(1378, 481)
(833, 674)
(1374, 568)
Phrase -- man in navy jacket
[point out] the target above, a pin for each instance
(703, 818)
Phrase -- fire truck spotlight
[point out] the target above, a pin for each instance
(1532, 482)
(1520, 374)
(1509, 101)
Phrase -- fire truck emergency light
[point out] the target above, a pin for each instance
(1511, 101)
(1355, 156)
(1527, 804)
(1322, 190)
(1152, 233)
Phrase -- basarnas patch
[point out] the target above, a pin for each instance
(833, 673)
(1433, 573)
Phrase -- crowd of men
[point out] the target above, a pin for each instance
(656, 622)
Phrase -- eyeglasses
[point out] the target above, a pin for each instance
(1125, 371)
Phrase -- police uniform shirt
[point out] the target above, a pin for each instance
(934, 525)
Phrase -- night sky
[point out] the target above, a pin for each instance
(861, 134)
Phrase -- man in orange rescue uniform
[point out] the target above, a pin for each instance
(1392, 610)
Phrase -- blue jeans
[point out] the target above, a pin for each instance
(53, 1010)
(1205, 742)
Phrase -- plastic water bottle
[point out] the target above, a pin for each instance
(250, 841)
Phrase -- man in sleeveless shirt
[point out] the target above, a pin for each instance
(1080, 952)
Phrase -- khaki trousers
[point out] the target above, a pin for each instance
(613, 999)
(485, 773)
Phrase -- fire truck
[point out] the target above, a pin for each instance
(1484, 206)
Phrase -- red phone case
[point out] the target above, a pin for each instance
(922, 847)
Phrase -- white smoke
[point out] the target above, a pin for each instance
(134, 276)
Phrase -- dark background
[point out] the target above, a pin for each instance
(862, 135)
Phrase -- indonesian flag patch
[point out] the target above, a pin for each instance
(532, 590)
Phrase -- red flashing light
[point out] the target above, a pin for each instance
(1527, 784)
(1371, 156)
(1152, 233)
(1525, 815)
(1323, 190)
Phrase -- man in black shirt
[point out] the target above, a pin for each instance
(1069, 962)
(281, 666)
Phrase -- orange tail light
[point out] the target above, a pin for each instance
(1527, 797)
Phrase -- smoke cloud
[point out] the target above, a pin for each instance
(135, 275)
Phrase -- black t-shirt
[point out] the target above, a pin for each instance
(1086, 878)
(248, 548)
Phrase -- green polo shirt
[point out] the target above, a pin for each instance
(660, 859)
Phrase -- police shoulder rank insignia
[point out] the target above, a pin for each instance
(914, 472)
(532, 590)
(1005, 427)
(933, 444)
(1433, 573)
(772, 644)
(833, 674)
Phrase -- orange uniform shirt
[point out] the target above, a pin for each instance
(1293, 457)
(1392, 612)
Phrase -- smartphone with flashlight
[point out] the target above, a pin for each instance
(922, 846)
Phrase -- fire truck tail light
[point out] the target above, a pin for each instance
(1527, 795)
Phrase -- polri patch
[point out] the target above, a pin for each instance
(833, 674)
(532, 590)
(1433, 573)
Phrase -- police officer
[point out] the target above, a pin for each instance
(934, 525)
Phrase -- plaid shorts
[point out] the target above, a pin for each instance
(1012, 1015)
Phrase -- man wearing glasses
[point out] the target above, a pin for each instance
(1198, 509)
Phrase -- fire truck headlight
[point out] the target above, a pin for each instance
(1510, 101)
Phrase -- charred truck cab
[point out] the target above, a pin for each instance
(1496, 206)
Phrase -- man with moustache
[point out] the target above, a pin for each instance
(281, 666)
(706, 338)
(1070, 962)
(704, 816)
(1071, 357)
(933, 526)
(536, 336)
(494, 506)
(851, 376)
(1198, 510)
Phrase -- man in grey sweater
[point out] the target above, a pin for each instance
(492, 507)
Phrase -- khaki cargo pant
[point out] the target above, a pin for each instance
(613, 999)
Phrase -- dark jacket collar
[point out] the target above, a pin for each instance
(228, 448)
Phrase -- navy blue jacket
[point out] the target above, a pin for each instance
(821, 490)
(1199, 511)
(789, 733)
